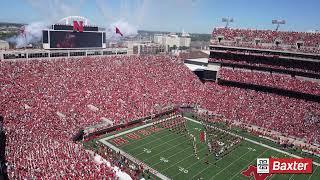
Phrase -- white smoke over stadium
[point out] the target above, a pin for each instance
(126, 29)
(128, 18)
(50, 11)
(32, 33)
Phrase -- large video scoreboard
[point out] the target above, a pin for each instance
(73, 37)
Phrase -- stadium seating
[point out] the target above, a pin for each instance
(45, 102)
(288, 40)
(271, 80)
(290, 116)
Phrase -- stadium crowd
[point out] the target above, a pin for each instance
(45, 102)
(290, 116)
(275, 80)
(287, 39)
(269, 36)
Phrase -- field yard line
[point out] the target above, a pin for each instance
(211, 165)
(181, 160)
(146, 143)
(291, 176)
(313, 173)
(254, 142)
(192, 164)
(161, 145)
(248, 164)
(130, 143)
(137, 161)
(230, 164)
(170, 156)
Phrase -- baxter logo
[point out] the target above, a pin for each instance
(284, 165)
(263, 165)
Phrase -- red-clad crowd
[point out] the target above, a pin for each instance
(46, 101)
(288, 39)
(275, 80)
(293, 117)
(269, 36)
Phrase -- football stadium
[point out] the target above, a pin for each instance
(78, 108)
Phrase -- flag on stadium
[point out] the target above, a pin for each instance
(118, 31)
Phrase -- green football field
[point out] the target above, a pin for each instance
(171, 154)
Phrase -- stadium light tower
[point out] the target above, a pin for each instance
(227, 20)
(278, 22)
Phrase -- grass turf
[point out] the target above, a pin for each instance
(172, 155)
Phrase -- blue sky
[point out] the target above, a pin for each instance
(170, 15)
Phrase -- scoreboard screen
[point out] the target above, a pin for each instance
(70, 39)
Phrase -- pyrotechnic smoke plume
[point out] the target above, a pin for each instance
(32, 33)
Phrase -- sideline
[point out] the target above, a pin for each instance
(145, 166)
(137, 128)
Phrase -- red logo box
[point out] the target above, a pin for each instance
(290, 165)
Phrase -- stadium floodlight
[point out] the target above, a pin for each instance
(278, 22)
(227, 20)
